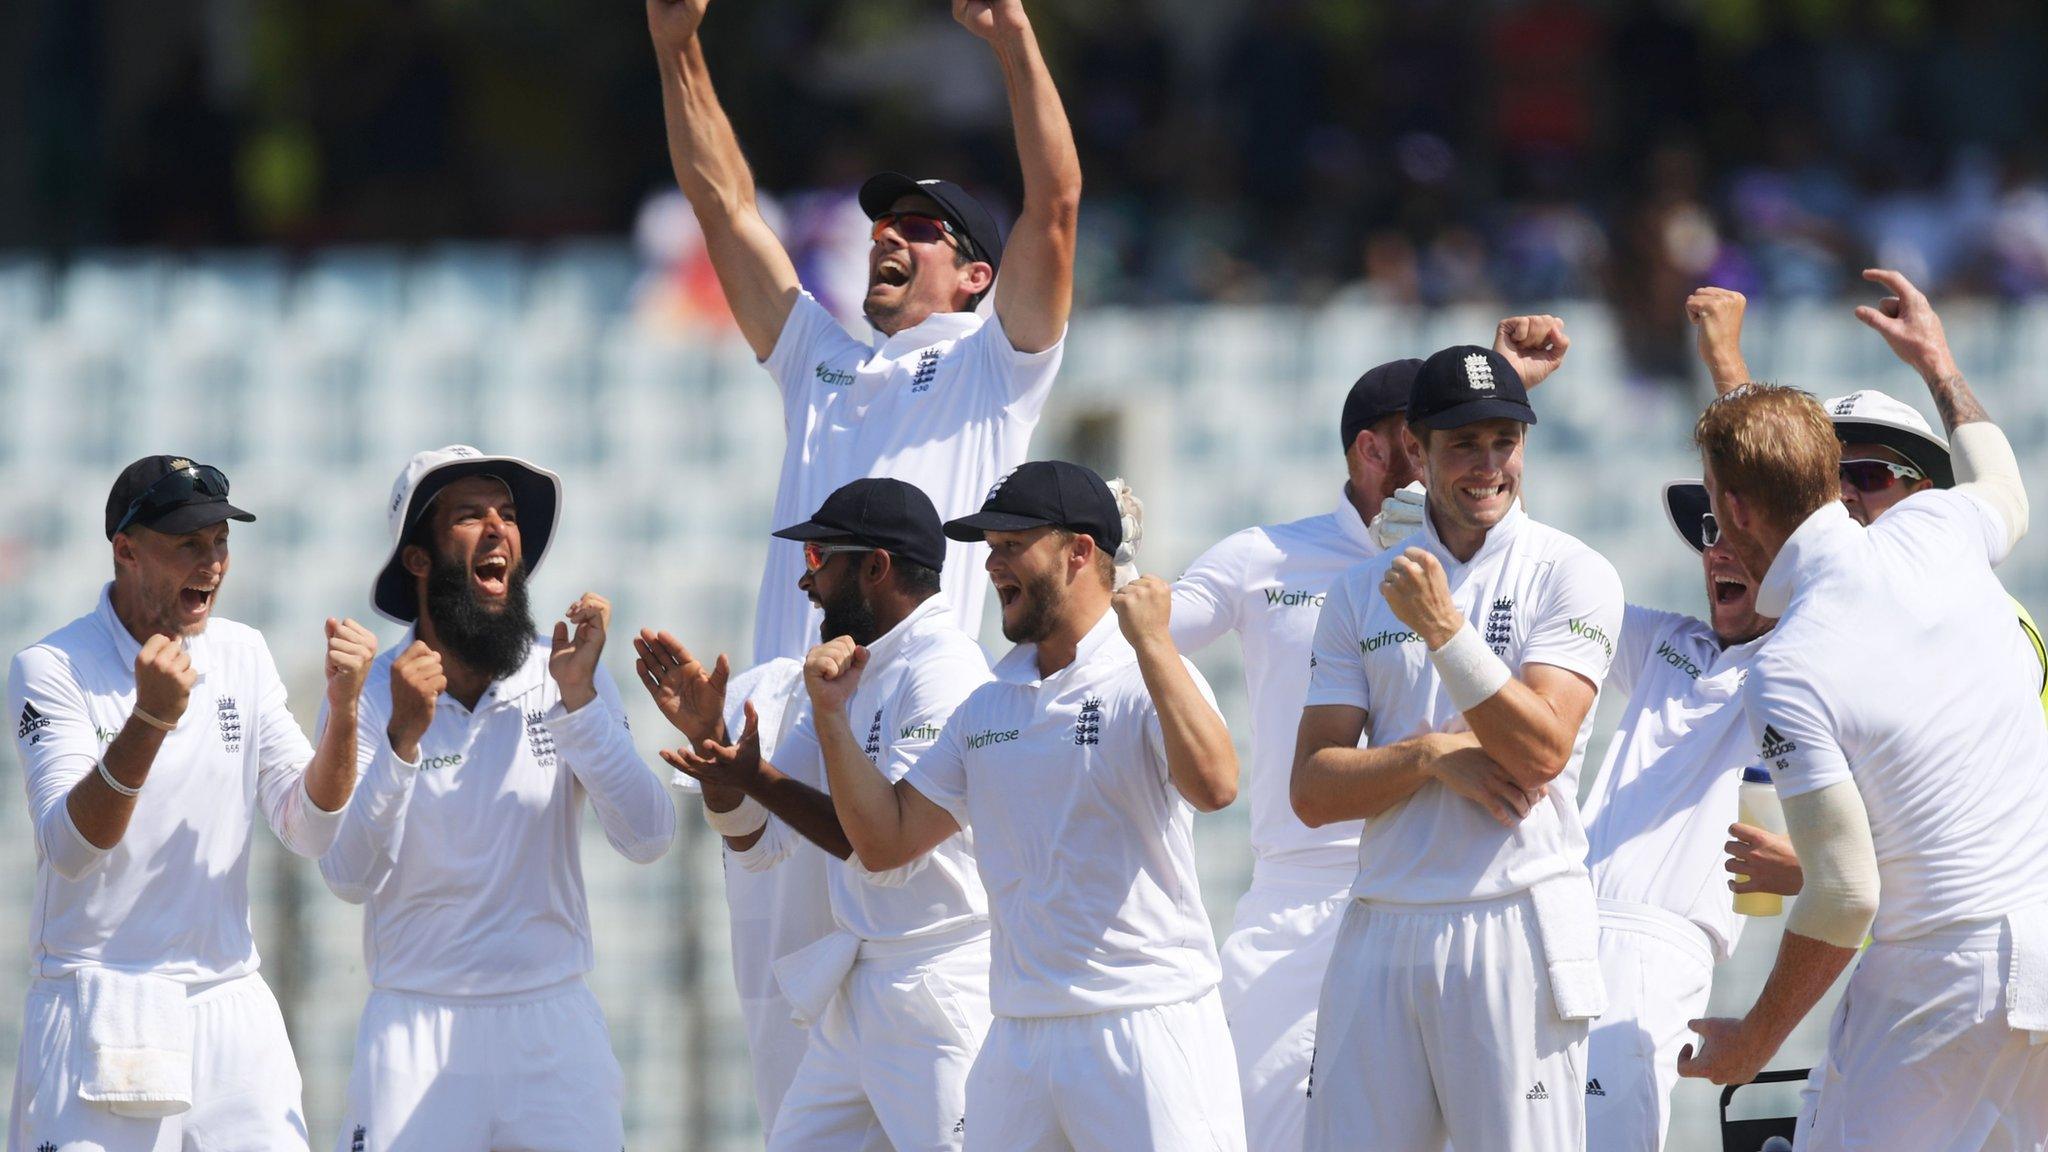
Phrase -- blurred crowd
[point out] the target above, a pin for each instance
(1425, 151)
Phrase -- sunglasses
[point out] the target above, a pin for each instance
(1710, 530)
(918, 228)
(173, 490)
(1877, 475)
(816, 556)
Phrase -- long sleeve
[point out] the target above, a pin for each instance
(282, 757)
(771, 849)
(638, 817)
(365, 846)
(55, 739)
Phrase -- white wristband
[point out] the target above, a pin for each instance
(1470, 671)
(744, 820)
(107, 778)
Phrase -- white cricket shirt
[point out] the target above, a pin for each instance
(172, 898)
(1658, 815)
(1896, 664)
(916, 675)
(1267, 584)
(1537, 596)
(468, 862)
(947, 405)
(1085, 846)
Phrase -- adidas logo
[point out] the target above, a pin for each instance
(31, 721)
(1536, 1093)
(1593, 1088)
(46, 1146)
(960, 1126)
(1775, 744)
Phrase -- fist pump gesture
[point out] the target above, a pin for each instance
(990, 18)
(1143, 608)
(417, 681)
(674, 22)
(690, 696)
(1535, 345)
(573, 659)
(832, 673)
(1716, 315)
(350, 649)
(163, 679)
(1420, 595)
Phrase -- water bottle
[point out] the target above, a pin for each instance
(1757, 805)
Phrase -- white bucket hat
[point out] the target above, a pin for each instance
(536, 492)
(1872, 417)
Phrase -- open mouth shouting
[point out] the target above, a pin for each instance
(1729, 589)
(892, 271)
(196, 600)
(493, 575)
(1008, 592)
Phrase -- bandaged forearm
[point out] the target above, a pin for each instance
(1470, 671)
(1987, 469)
(1830, 831)
(750, 817)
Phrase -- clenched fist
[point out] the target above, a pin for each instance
(1535, 345)
(1416, 588)
(989, 19)
(572, 660)
(1143, 608)
(832, 672)
(417, 681)
(1717, 314)
(673, 22)
(163, 678)
(350, 649)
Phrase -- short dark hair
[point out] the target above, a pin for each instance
(914, 578)
(961, 259)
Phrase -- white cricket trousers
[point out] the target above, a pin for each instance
(1157, 1079)
(1437, 1022)
(531, 1072)
(1273, 964)
(1920, 1055)
(1659, 971)
(245, 1082)
(892, 1050)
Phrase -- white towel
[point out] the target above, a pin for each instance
(2026, 977)
(811, 975)
(138, 1043)
(1568, 927)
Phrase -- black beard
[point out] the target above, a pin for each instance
(849, 614)
(494, 643)
(1041, 596)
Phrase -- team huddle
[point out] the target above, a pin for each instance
(964, 903)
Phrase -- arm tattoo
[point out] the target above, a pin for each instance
(1956, 403)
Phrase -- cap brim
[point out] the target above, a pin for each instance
(193, 517)
(1684, 502)
(811, 530)
(1472, 412)
(536, 493)
(1926, 453)
(975, 528)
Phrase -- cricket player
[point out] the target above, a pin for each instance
(1267, 584)
(1078, 770)
(1465, 970)
(478, 745)
(945, 398)
(151, 735)
(897, 997)
(1893, 707)
(770, 913)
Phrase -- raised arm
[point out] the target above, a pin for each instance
(753, 268)
(1036, 288)
(1200, 759)
(1716, 314)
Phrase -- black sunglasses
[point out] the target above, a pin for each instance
(176, 489)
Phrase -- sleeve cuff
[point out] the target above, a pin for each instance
(79, 854)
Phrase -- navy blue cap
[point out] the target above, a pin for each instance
(1382, 392)
(1466, 384)
(1046, 492)
(879, 512)
(956, 204)
(145, 493)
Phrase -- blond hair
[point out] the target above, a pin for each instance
(1775, 447)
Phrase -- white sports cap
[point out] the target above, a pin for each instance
(1872, 417)
(536, 492)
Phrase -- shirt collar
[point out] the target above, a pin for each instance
(1350, 524)
(1498, 537)
(1020, 665)
(931, 330)
(128, 648)
(1804, 550)
(890, 644)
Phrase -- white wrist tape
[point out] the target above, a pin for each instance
(744, 820)
(1470, 671)
(1987, 469)
(1830, 830)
